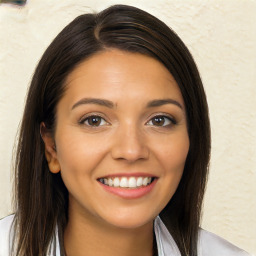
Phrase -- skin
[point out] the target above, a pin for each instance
(128, 139)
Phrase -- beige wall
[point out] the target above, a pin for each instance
(222, 37)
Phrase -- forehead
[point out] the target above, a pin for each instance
(114, 73)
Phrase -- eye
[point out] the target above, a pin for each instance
(161, 120)
(94, 121)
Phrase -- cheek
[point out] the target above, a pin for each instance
(78, 158)
(72, 142)
(173, 153)
(78, 154)
(172, 156)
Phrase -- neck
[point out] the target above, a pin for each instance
(85, 235)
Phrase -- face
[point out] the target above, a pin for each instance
(121, 138)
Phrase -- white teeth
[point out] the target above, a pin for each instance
(116, 182)
(145, 181)
(139, 181)
(132, 182)
(124, 183)
(127, 182)
(110, 182)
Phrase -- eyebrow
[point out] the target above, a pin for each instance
(101, 102)
(160, 102)
(110, 104)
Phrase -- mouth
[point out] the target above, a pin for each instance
(128, 186)
(127, 182)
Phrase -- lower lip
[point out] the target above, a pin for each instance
(129, 193)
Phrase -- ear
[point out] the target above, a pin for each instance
(50, 149)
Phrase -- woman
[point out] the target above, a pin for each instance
(114, 145)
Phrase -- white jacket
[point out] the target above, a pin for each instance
(208, 244)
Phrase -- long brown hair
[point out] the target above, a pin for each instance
(41, 197)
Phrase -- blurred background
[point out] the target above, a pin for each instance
(221, 35)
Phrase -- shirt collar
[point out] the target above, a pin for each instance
(166, 245)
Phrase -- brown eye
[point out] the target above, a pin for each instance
(94, 121)
(161, 121)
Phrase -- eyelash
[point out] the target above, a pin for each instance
(171, 120)
(85, 119)
(164, 116)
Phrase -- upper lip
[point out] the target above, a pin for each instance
(129, 174)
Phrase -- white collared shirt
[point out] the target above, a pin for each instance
(208, 244)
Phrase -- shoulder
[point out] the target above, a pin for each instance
(7, 235)
(5, 228)
(209, 244)
(212, 245)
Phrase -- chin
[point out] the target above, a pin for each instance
(129, 221)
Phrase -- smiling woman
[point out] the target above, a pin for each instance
(139, 149)
(114, 145)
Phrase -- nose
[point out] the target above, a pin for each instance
(129, 144)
